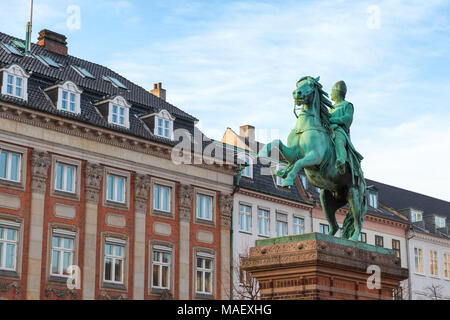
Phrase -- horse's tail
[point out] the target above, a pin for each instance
(348, 227)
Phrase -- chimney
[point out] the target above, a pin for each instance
(247, 132)
(159, 91)
(53, 42)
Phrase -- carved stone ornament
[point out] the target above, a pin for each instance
(166, 295)
(226, 209)
(4, 287)
(141, 187)
(185, 196)
(40, 162)
(94, 174)
(104, 295)
(61, 293)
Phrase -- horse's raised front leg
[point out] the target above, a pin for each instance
(355, 209)
(289, 154)
(310, 159)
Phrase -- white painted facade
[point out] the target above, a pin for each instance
(422, 282)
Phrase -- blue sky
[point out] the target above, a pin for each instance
(231, 63)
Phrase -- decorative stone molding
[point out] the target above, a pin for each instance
(226, 210)
(141, 187)
(4, 287)
(94, 174)
(185, 196)
(166, 295)
(61, 293)
(40, 162)
(104, 295)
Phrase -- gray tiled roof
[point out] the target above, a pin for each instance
(42, 76)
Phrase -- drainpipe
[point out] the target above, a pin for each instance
(407, 258)
(311, 216)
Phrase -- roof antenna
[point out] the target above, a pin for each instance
(29, 24)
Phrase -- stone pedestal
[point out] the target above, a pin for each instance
(315, 266)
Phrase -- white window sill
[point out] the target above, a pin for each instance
(245, 232)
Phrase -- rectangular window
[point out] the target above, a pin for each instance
(363, 237)
(279, 180)
(263, 222)
(245, 214)
(68, 101)
(116, 188)
(118, 115)
(299, 225)
(62, 252)
(10, 163)
(247, 171)
(204, 274)
(114, 261)
(282, 225)
(163, 127)
(418, 260)
(204, 207)
(379, 241)
(304, 181)
(439, 221)
(8, 247)
(373, 199)
(14, 86)
(396, 247)
(416, 216)
(323, 228)
(65, 177)
(447, 265)
(161, 268)
(161, 198)
(433, 263)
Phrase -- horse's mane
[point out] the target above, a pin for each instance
(325, 103)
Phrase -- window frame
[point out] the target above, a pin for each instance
(208, 254)
(373, 199)
(70, 88)
(361, 237)
(442, 219)
(414, 213)
(446, 260)
(65, 234)
(115, 241)
(245, 157)
(16, 226)
(397, 251)
(322, 226)
(264, 219)
(119, 173)
(296, 224)
(23, 152)
(247, 215)
(434, 262)
(378, 237)
(281, 222)
(119, 102)
(162, 248)
(213, 196)
(419, 269)
(16, 72)
(164, 115)
(168, 184)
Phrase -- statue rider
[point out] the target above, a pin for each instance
(341, 120)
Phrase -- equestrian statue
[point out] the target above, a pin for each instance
(320, 145)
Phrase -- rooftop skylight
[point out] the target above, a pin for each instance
(49, 61)
(115, 82)
(83, 72)
(12, 49)
(18, 44)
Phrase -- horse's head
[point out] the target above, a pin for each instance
(304, 92)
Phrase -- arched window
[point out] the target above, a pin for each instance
(15, 82)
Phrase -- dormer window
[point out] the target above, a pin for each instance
(66, 96)
(439, 221)
(416, 215)
(116, 110)
(15, 82)
(373, 198)
(278, 179)
(247, 171)
(161, 123)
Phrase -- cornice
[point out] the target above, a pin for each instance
(266, 197)
(86, 131)
(417, 235)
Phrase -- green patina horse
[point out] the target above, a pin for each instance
(310, 146)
